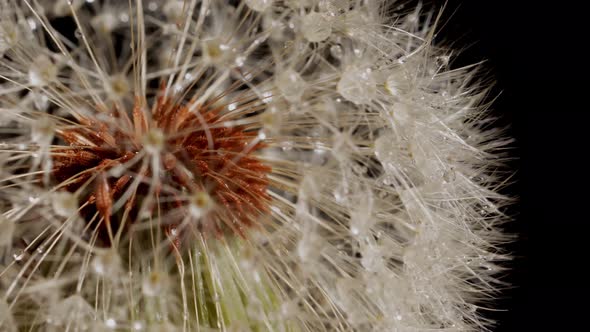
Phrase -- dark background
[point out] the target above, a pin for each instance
(534, 51)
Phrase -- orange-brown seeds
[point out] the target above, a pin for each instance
(199, 155)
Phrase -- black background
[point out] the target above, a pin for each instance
(534, 50)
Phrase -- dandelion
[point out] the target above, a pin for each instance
(255, 165)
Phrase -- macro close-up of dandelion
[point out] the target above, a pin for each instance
(247, 165)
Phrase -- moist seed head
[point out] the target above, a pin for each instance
(295, 165)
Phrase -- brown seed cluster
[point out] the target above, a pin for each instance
(199, 157)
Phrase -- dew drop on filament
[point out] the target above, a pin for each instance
(291, 85)
(358, 85)
(315, 27)
(258, 5)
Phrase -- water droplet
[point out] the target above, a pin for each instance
(124, 17)
(154, 141)
(289, 309)
(449, 175)
(259, 5)
(256, 276)
(65, 204)
(32, 23)
(488, 267)
(152, 6)
(442, 61)
(336, 51)
(107, 264)
(215, 51)
(33, 199)
(293, 23)
(291, 85)
(42, 71)
(200, 204)
(118, 87)
(19, 255)
(117, 171)
(333, 7)
(358, 85)
(73, 312)
(397, 84)
(240, 60)
(111, 323)
(267, 97)
(137, 326)
(340, 195)
(286, 146)
(40, 100)
(153, 284)
(315, 27)
(232, 106)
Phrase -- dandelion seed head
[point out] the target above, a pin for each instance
(242, 165)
